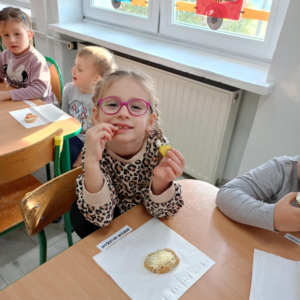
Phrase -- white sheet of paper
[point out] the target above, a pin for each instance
(19, 115)
(124, 262)
(52, 113)
(292, 238)
(46, 114)
(114, 238)
(274, 277)
(29, 102)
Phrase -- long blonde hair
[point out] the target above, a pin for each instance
(147, 84)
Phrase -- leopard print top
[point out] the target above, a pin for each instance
(128, 186)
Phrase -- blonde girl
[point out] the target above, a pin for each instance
(21, 65)
(121, 161)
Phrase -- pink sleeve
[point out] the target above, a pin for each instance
(39, 84)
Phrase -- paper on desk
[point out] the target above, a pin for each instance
(29, 103)
(274, 277)
(46, 114)
(124, 262)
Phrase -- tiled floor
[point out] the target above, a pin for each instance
(19, 253)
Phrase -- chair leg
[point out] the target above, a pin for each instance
(48, 172)
(68, 227)
(43, 246)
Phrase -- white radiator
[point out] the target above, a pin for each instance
(197, 119)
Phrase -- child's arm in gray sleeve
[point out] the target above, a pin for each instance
(242, 199)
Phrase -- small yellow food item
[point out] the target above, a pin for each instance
(298, 199)
(163, 148)
(161, 261)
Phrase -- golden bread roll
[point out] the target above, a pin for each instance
(161, 261)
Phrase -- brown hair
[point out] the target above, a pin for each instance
(146, 83)
(16, 15)
(103, 59)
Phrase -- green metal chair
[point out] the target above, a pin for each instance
(16, 179)
(48, 202)
(57, 88)
(56, 79)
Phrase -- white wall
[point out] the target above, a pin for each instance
(53, 11)
(276, 126)
(240, 134)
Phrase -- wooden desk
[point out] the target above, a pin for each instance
(74, 274)
(13, 136)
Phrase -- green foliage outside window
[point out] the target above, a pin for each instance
(133, 9)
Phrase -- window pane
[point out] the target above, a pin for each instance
(246, 18)
(134, 7)
(20, 1)
(25, 3)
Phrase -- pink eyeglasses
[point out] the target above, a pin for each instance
(112, 105)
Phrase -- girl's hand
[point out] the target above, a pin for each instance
(77, 162)
(287, 216)
(5, 96)
(169, 168)
(96, 138)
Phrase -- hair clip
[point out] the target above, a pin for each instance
(23, 16)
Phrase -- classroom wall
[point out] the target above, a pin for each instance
(276, 126)
(54, 11)
(240, 134)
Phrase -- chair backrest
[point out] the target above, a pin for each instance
(56, 79)
(27, 160)
(49, 201)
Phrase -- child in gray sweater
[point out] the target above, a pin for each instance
(265, 196)
(91, 64)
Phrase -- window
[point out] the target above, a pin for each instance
(252, 22)
(138, 8)
(249, 28)
(136, 14)
(23, 3)
(244, 26)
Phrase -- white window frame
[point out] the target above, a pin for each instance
(149, 24)
(22, 3)
(245, 46)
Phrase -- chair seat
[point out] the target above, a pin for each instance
(11, 194)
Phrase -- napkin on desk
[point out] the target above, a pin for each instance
(124, 262)
(274, 278)
(46, 114)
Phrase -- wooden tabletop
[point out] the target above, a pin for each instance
(13, 136)
(74, 274)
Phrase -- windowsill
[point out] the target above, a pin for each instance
(247, 75)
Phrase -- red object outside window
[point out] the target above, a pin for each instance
(217, 11)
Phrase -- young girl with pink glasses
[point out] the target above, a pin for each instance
(121, 160)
